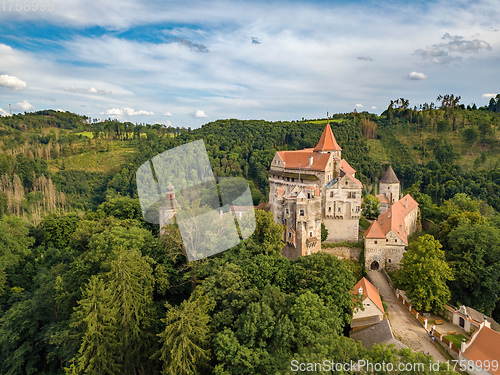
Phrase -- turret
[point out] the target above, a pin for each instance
(389, 185)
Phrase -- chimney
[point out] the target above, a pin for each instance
(400, 228)
(311, 160)
(406, 203)
(360, 290)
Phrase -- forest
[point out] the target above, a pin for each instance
(88, 287)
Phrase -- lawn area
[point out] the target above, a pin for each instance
(323, 121)
(457, 339)
(92, 161)
(86, 134)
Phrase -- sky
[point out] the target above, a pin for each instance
(185, 63)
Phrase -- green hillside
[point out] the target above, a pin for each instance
(87, 286)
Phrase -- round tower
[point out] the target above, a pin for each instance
(169, 207)
(389, 185)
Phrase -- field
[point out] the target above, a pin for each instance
(110, 162)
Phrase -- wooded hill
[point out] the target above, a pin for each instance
(58, 161)
(86, 286)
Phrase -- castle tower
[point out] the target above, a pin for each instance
(328, 143)
(389, 185)
(169, 207)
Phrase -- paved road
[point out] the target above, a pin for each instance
(405, 327)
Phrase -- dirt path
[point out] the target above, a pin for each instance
(405, 327)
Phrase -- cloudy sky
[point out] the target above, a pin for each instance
(189, 62)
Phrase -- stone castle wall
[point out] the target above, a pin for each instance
(344, 252)
(342, 230)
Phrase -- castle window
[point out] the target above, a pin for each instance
(310, 234)
(353, 195)
(287, 212)
(346, 182)
(329, 209)
(375, 242)
(396, 240)
(386, 240)
(331, 194)
(289, 235)
(340, 209)
(308, 195)
(390, 261)
(301, 212)
(293, 179)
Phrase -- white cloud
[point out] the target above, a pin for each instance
(489, 95)
(168, 114)
(23, 106)
(198, 114)
(12, 82)
(359, 105)
(416, 76)
(133, 112)
(453, 49)
(113, 112)
(373, 107)
(91, 90)
(3, 113)
(127, 111)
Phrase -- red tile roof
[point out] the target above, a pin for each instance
(370, 291)
(485, 347)
(374, 231)
(394, 218)
(292, 159)
(382, 198)
(327, 141)
(346, 167)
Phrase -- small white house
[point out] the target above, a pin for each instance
(373, 311)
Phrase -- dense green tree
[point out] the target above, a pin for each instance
(327, 276)
(424, 273)
(95, 319)
(130, 278)
(324, 233)
(470, 136)
(474, 256)
(370, 206)
(14, 248)
(185, 339)
(268, 234)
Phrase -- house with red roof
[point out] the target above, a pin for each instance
(387, 237)
(313, 186)
(373, 310)
(482, 350)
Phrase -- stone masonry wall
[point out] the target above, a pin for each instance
(342, 230)
(344, 252)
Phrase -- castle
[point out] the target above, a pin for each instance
(315, 185)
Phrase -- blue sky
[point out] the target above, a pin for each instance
(185, 63)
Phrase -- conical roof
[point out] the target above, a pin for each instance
(389, 177)
(327, 141)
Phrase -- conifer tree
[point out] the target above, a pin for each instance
(186, 337)
(131, 282)
(96, 319)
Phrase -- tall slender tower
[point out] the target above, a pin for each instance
(389, 185)
(169, 207)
